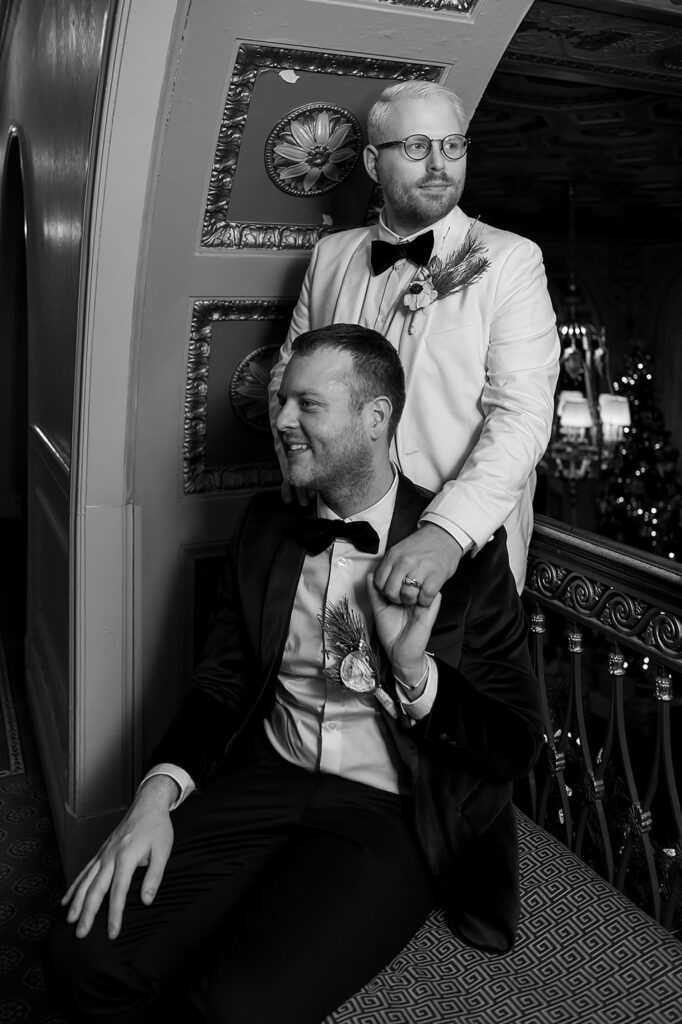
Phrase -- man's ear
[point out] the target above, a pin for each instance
(370, 155)
(380, 410)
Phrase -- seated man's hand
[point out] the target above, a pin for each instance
(144, 838)
(403, 632)
(429, 556)
(302, 493)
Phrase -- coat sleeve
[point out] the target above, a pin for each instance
(522, 367)
(300, 322)
(210, 714)
(487, 714)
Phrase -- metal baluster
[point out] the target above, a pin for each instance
(664, 695)
(594, 780)
(640, 819)
(556, 753)
(537, 630)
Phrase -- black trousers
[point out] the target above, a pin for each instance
(286, 892)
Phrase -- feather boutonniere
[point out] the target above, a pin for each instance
(441, 277)
(359, 667)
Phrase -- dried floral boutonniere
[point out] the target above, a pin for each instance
(359, 667)
(440, 277)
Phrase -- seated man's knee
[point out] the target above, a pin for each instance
(87, 978)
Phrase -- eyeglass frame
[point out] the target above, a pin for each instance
(419, 135)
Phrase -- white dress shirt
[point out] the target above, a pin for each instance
(316, 723)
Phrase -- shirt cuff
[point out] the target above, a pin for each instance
(421, 705)
(177, 774)
(462, 538)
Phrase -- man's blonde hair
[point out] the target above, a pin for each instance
(379, 112)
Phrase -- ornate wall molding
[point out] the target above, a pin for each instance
(200, 478)
(453, 6)
(608, 590)
(219, 229)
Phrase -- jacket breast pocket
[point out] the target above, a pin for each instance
(456, 348)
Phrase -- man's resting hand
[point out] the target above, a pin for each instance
(429, 555)
(144, 838)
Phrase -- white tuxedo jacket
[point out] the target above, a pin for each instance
(481, 367)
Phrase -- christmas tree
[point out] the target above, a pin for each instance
(642, 501)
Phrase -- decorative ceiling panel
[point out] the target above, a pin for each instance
(622, 46)
(621, 149)
(286, 167)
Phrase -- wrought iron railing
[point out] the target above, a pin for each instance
(606, 626)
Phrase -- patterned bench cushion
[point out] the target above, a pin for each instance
(584, 955)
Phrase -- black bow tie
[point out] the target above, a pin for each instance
(317, 534)
(385, 254)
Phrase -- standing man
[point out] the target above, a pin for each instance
(333, 779)
(466, 306)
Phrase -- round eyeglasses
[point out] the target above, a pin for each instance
(418, 147)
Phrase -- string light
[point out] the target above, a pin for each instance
(645, 469)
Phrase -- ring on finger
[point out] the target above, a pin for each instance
(410, 581)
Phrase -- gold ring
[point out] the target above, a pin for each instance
(410, 581)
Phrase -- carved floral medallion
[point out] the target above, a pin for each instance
(313, 149)
(249, 387)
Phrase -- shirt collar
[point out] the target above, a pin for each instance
(378, 515)
(440, 228)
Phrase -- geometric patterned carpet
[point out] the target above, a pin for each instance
(584, 955)
(31, 879)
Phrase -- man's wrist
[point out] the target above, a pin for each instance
(428, 525)
(161, 788)
(412, 678)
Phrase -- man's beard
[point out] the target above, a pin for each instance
(420, 209)
(346, 471)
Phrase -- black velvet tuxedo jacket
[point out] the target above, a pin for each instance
(483, 731)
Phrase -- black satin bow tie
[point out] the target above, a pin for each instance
(385, 254)
(317, 534)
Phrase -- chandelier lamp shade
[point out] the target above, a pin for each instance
(590, 421)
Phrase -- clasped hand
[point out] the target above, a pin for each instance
(403, 631)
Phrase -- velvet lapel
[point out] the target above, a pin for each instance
(278, 596)
(409, 505)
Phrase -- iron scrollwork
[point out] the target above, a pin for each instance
(610, 611)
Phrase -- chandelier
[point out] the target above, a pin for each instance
(590, 420)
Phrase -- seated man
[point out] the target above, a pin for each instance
(342, 779)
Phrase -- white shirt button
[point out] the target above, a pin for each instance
(341, 562)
